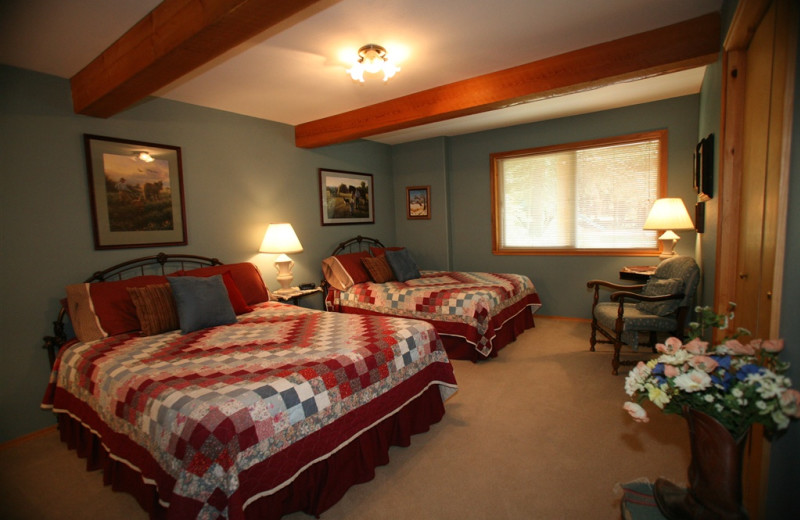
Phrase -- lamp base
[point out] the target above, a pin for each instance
(284, 267)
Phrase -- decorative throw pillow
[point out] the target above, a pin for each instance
(246, 276)
(155, 308)
(113, 304)
(661, 287)
(378, 268)
(84, 320)
(403, 266)
(344, 271)
(240, 306)
(380, 251)
(202, 302)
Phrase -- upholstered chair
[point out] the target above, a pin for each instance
(661, 306)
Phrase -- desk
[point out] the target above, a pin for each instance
(637, 273)
(294, 296)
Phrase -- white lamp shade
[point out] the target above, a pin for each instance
(280, 239)
(668, 214)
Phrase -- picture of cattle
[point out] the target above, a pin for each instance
(138, 194)
(346, 197)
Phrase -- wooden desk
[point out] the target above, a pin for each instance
(637, 273)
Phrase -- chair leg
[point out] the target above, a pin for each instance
(615, 359)
(593, 337)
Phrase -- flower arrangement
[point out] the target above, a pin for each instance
(738, 384)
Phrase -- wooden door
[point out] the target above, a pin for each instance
(758, 101)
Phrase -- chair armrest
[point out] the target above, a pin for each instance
(618, 286)
(621, 295)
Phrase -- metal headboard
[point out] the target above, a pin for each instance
(357, 244)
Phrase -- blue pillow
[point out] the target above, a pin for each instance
(403, 266)
(201, 302)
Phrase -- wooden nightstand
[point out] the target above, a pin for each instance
(293, 297)
(637, 273)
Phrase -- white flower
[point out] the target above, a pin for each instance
(693, 381)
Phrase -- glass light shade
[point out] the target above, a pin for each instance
(280, 239)
(668, 214)
(372, 59)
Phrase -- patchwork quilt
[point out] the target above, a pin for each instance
(470, 305)
(196, 414)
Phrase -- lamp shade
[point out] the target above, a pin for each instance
(668, 214)
(280, 239)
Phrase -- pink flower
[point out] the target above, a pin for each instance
(772, 345)
(737, 349)
(637, 412)
(670, 346)
(696, 346)
(704, 363)
(671, 370)
(790, 403)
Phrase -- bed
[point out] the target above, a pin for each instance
(476, 314)
(275, 410)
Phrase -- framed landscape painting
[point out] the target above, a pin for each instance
(136, 192)
(418, 202)
(345, 197)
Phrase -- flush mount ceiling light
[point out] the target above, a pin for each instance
(372, 58)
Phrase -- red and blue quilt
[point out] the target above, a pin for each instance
(470, 305)
(222, 416)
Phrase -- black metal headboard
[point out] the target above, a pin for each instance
(357, 244)
(161, 263)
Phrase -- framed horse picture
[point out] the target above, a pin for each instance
(136, 193)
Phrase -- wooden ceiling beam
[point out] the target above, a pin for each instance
(677, 47)
(172, 40)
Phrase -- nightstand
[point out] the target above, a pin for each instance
(294, 296)
(637, 273)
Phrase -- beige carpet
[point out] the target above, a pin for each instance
(538, 433)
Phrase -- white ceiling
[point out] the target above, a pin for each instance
(295, 73)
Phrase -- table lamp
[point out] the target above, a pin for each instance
(281, 239)
(668, 214)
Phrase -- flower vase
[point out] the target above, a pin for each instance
(715, 475)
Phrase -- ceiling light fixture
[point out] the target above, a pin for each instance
(144, 156)
(372, 58)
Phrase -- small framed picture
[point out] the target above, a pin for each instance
(418, 202)
(136, 193)
(345, 197)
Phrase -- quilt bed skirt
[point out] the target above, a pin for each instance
(313, 491)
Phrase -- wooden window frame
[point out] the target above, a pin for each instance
(497, 249)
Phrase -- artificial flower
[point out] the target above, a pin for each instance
(636, 411)
(739, 384)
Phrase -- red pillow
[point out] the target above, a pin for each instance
(352, 264)
(381, 251)
(245, 275)
(238, 302)
(114, 306)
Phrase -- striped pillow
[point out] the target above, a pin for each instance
(378, 269)
(155, 308)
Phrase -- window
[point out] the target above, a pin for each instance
(579, 198)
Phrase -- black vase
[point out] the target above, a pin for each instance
(715, 475)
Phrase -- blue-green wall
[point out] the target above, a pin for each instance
(459, 172)
(240, 174)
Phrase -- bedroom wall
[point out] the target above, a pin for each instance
(240, 173)
(423, 163)
(560, 280)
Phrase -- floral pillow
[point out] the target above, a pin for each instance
(661, 287)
